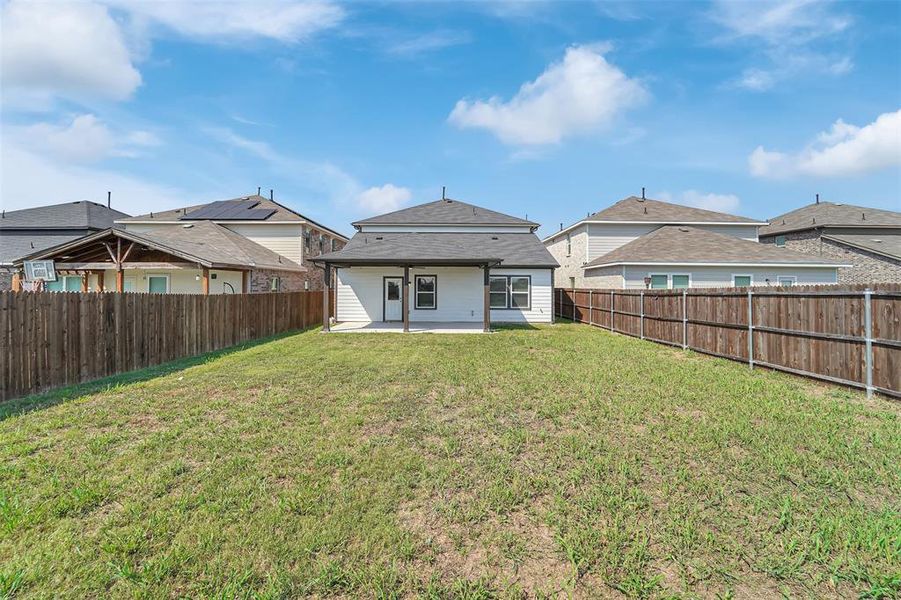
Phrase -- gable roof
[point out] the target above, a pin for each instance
(507, 249)
(680, 244)
(646, 210)
(205, 243)
(830, 214)
(214, 211)
(445, 212)
(886, 244)
(68, 215)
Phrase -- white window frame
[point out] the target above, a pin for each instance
(748, 275)
(669, 283)
(792, 278)
(506, 292)
(672, 283)
(569, 245)
(275, 284)
(164, 276)
(416, 292)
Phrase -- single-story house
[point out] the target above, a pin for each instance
(678, 256)
(194, 258)
(439, 263)
(26, 231)
(867, 239)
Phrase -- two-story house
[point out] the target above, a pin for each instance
(645, 243)
(443, 262)
(242, 245)
(868, 239)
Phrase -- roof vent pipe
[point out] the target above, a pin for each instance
(863, 216)
(642, 193)
(443, 192)
(561, 226)
(259, 189)
(109, 199)
(818, 198)
(271, 194)
(645, 210)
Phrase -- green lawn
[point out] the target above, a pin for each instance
(558, 461)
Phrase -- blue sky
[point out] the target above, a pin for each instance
(547, 109)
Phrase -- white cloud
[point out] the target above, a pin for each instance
(582, 92)
(428, 42)
(33, 179)
(230, 21)
(726, 203)
(844, 150)
(793, 36)
(377, 200)
(70, 49)
(85, 139)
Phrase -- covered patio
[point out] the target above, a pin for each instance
(419, 327)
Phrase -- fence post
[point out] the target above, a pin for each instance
(684, 320)
(612, 311)
(560, 302)
(750, 329)
(590, 307)
(868, 336)
(641, 315)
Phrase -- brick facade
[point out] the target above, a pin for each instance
(570, 262)
(868, 266)
(312, 278)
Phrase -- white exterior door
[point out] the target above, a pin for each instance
(394, 306)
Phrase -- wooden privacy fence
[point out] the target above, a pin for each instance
(849, 335)
(51, 340)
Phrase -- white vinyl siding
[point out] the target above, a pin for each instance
(541, 308)
(181, 281)
(460, 294)
(702, 277)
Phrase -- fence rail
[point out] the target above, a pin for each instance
(849, 335)
(51, 340)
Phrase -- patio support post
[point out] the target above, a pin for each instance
(406, 299)
(205, 282)
(120, 274)
(84, 282)
(487, 303)
(326, 282)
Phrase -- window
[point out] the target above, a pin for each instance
(786, 281)
(67, 283)
(659, 282)
(334, 244)
(306, 239)
(274, 284)
(569, 245)
(780, 240)
(497, 292)
(681, 281)
(510, 291)
(426, 294)
(742, 280)
(321, 243)
(519, 292)
(158, 284)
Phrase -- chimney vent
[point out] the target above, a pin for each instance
(109, 199)
(645, 210)
(863, 216)
(444, 192)
(818, 198)
(561, 226)
(642, 193)
(259, 189)
(271, 194)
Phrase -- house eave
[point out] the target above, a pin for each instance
(718, 264)
(661, 223)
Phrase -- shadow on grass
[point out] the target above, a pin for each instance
(52, 398)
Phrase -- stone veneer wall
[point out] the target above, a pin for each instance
(313, 275)
(868, 266)
(570, 265)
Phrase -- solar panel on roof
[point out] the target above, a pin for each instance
(230, 210)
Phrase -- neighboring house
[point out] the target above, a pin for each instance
(627, 220)
(199, 257)
(639, 242)
(458, 263)
(679, 256)
(867, 239)
(260, 220)
(26, 231)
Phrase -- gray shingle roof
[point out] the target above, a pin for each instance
(886, 244)
(69, 215)
(16, 245)
(512, 249)
(637, 209)
(445, 212)
(203, 242)
(281, 214)
(829, 214)
(686, 245)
